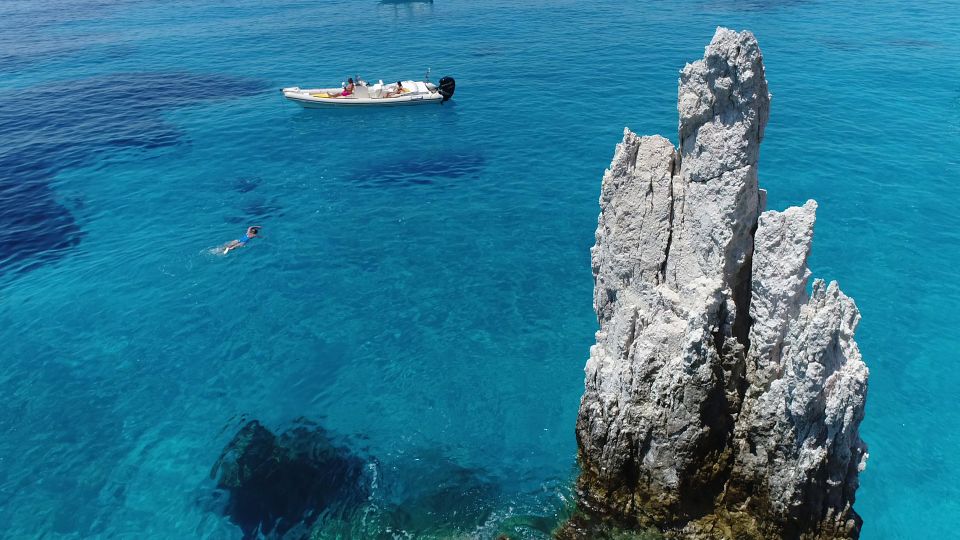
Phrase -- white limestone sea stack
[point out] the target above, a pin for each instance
(722, 400)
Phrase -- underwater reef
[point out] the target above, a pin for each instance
(723, 397)
(307, 483)
(280, 486)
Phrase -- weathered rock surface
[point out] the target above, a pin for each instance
(721, 401)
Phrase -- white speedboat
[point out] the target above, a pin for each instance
(399, 93)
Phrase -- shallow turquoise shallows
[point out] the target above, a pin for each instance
(422, 288)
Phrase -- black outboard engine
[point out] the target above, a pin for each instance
(446, 88)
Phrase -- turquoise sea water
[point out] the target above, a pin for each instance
(422, 289)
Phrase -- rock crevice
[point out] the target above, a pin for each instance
(719, 396)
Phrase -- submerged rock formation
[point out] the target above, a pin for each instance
(279, 486)
(721, 401)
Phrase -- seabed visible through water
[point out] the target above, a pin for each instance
(422, 291)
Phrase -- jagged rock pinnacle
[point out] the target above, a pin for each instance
(721, 401)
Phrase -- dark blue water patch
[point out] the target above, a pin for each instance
(23, 56)
(278, 486)
(255, 209)
(235, 220)
(62, 125)
(840, 44)
(420, 169)
(116, 98)
(19, 59)
(913, 43)
(892, 46)
(753, 5)
(35, 228)
(261, 208)
(246, 184)
(485, 52)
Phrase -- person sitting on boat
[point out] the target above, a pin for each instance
(252, 232)
(400, 90)
(347, 90)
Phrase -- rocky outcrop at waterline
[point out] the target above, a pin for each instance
(722, 399)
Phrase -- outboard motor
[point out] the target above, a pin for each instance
(446, 88)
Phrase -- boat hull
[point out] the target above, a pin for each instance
(307, 100)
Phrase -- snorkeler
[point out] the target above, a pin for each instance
(252, 232)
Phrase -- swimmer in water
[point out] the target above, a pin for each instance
(252, 232)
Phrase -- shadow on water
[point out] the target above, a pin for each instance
(63, 125)
(423, 169)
